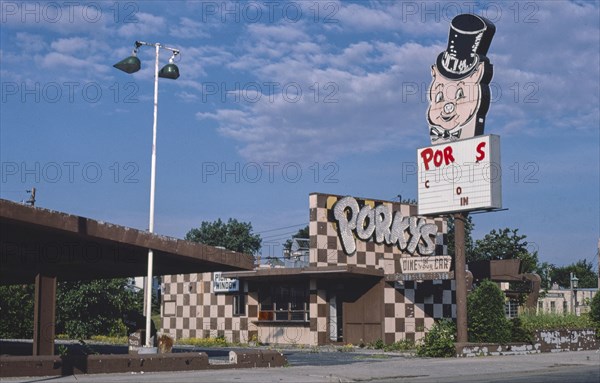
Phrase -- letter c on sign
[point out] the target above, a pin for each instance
(427, 184)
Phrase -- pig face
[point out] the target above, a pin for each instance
(453, 104)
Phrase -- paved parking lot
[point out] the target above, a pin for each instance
(327, 365)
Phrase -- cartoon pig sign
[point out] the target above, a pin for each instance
(459, 94)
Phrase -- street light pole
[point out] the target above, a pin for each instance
(574, 285)
(131, 65)
(152, 193)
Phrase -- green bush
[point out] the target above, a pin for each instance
(595, 309)
(486, 319)
(439, 341)
(378, 344)
(533, 321)
(16, 311)
(519, 333)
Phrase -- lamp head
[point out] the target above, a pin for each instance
(129, 65)
(169, 71)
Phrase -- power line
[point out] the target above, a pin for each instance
(280, 235)
(281, 228)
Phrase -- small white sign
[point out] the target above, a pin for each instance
(460, 176)
(433, 264)
(225, 285)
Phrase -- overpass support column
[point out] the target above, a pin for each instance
(44, 315)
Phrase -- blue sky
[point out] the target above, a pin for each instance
(280, 99)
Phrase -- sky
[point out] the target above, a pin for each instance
(278, 99)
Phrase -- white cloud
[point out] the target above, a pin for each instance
(188, 29)
(187, 96)
(77, 45)
(147, 24)
(59, 17)
(30, 42)
(338, 104)
(380, 85)
(281, 32)
(414, 18)
(544, 75)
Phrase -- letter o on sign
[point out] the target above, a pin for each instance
(458, 190)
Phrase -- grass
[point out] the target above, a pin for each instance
(98, 338)
(346, 348)
(110, 339)
(203, 342)
(402, 345)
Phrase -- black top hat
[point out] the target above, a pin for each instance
(470, 37)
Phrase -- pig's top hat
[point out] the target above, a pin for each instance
(468, 42)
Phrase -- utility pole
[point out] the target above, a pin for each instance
(31, 199)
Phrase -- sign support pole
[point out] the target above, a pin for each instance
(460, 277)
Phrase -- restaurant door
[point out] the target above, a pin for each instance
(363, 311)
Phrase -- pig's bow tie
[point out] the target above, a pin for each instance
(437, 133)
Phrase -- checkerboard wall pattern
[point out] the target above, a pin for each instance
(191, 310)
(411, 307)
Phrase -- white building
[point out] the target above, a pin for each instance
(561, 301)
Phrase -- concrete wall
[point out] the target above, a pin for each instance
(543, 341)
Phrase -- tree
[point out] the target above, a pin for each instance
(582, 269)
(505, 244)
(86, 308)
(302, 233)
(16, 311)
(543, 270)
(486, 319)
(83, 308)
(233, 235)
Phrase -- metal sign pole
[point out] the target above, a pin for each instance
(460, 277)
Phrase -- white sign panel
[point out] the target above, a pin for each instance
(225, 285)
(434, 264)
(460, 176)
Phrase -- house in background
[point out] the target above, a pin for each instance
(566, 301)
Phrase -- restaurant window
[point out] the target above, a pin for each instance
(511, 309)
(552, 307)
(286, 302)
(239, 304)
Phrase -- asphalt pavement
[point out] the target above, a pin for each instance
(328, 365)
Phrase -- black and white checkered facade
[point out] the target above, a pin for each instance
(191, 309)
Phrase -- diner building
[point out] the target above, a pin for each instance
(342, 289)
